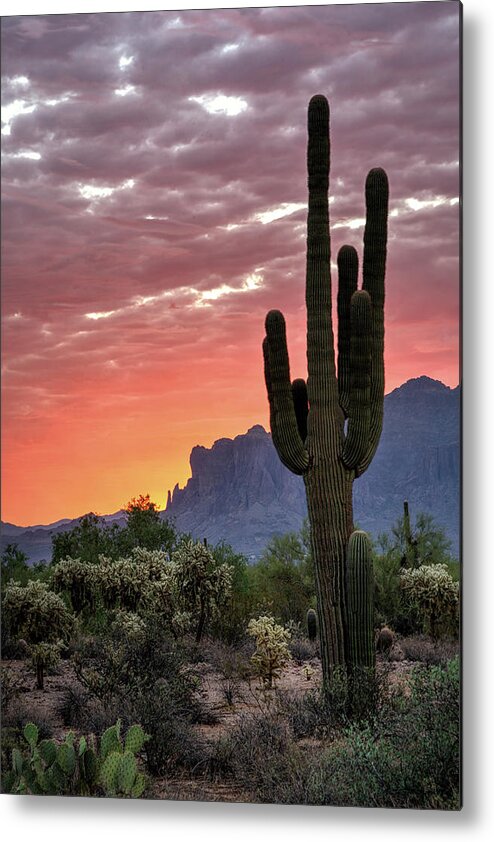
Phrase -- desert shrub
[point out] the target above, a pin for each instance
(228, 624)
(408, 757)
(168, 713)
(233, 662)
(431, 589)
(146, 678)
(390, 606)
(272, 652)
(261, 757)
(302, 650)
(121, 664)
(311, 714)
(11, 687)
(17, 717)
(282, 581)
(427, 651)
(14, 566)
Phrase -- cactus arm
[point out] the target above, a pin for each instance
(299, 394)
(284, 427)
(374, 265)
(269, 389)
(321, 382)
(359, 413)
(347, 285)
(360, 601)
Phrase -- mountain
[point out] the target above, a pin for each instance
(240, 492)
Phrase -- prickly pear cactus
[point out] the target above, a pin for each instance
(74, 768)
(119, 775)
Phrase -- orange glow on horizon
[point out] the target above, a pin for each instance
(111, 458)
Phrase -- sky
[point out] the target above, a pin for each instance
(154, 209)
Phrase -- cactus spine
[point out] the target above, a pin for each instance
(307, 420)
(311, 624)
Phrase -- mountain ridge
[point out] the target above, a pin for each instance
(240, 492)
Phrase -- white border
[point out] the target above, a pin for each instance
(45, 819)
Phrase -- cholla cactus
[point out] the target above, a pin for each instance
(39, 616)
(182, 593)
(129, 626)
(202, 584)
(272, 652)
(436, 595)
(80, 579)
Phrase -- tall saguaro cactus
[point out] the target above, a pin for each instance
(308, 419)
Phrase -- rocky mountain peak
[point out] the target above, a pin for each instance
(240, 492)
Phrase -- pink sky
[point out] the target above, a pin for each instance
(154, 192)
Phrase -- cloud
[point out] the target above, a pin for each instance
(145, 235)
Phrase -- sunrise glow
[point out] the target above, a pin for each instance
(154, 207)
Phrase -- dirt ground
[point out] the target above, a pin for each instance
(226, 699)
(44, 706)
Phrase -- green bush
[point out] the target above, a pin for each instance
(282, 581)
(146, 678)
(409, 757)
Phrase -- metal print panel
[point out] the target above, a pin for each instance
(230, 524)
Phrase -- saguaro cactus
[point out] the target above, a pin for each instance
(312, 624)
(308, 419)
(410, 558)
(360, 602)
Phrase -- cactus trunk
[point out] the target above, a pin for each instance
(329, 500)
(308, 420)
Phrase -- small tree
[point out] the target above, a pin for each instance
(272, 652)
(41, 618)
(230, 625)
(145, 528)
(432, 590)
(86, 540)
(14, 565)
(203, 585)
(283, 580)
(421, 543)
